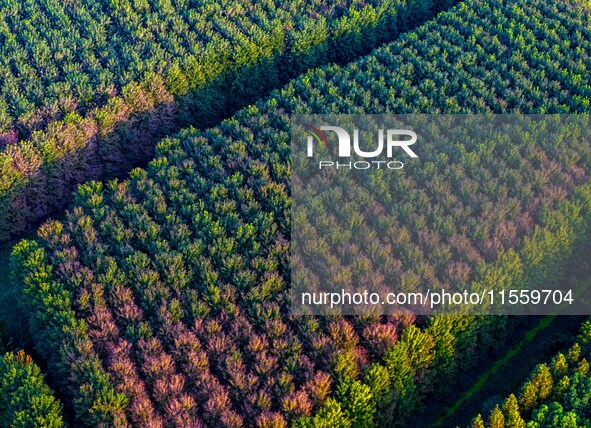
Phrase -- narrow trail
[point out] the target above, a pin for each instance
(484, 378)
(526, 350)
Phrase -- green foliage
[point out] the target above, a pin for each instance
(496, 419)
(477, 422)
(511, 411)
(357, 403)
(555, 395)
(89, 89)
(553, 416)
(165, 297)
(330, 415)
(378, 381)
(25, 399)
(63, 337)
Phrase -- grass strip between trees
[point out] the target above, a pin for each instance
(529, 336)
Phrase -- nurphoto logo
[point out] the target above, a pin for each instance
(389, 139)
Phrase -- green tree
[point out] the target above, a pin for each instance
(496, 419)
(357, 402)
(25, 399)
(330, 415)
(528, 396)
(542, 380)
(513, 418)
(477, 422)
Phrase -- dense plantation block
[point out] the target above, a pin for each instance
(162, 299)
(25, 398)
(89, 87)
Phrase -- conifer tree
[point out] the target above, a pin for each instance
(496, 419)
